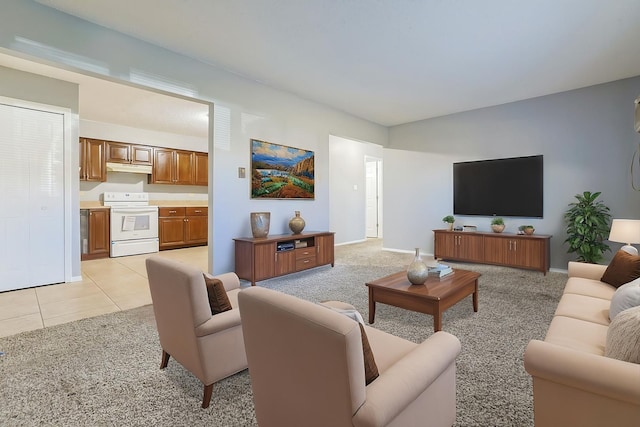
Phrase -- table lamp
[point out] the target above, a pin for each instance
(626, 231)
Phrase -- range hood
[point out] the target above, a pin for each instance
(122, 167)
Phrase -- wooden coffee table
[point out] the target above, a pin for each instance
(434, 297)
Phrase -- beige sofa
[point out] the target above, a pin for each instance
(307, 368)
(574, 384)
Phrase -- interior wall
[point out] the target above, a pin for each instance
(44, 90)
(417, 195)
(586, 137)
(257, 111)
(347, 186)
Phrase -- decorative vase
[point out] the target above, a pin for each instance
(418, 271)
(497, 228)
(296, 224)
(260, 223)
(450, 226)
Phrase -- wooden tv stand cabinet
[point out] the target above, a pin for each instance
(272, 256)
(531, 252)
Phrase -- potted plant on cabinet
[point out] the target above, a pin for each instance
(587, 227)
(497, 225)
(527, 229)
(449, 219)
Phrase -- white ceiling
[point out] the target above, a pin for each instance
(393, 61)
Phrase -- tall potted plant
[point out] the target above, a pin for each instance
(587, 227)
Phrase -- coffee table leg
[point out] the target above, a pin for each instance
(372, 307)
(475, 297)
(437, 321)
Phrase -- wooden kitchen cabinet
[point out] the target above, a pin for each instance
(172, 167)
(180, 227)
(121, 152)
(92, 160)
(200, 168)
(263, 258)
(530, 252)
(95, 232)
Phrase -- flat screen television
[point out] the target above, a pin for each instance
(501, 187)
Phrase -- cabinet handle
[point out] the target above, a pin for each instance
(172, 212)
(186, 220)
(510, 244)
(305, 261)
(276, 257)
(515, 245)
(198, 211)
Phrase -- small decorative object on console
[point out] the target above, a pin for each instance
(260, 224)
(497, 225)
(418, 271)
(296, 224)
(527, 229)
(469, 228)
(449, 220)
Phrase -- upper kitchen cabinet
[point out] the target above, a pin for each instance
(201, 168)
(92, 160)
(172, 167)
(120, 152)
(179, 167)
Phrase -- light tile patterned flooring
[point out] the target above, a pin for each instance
(108, 285)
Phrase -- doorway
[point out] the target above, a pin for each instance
(373, 183)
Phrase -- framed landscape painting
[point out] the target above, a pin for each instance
(281, 172)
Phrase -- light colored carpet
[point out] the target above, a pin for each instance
(105, 370)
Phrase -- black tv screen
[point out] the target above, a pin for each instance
(501, 187)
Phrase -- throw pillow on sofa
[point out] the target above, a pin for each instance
(370, 367)
(622, 269)
(623, 336)
(218, 299)
(626, 296)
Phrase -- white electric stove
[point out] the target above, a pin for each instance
(134, 224)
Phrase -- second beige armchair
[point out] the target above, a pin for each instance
(307, 368)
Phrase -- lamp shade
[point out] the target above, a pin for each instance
(625, 231)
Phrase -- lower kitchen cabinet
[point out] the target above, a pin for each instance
(181, 227)
(95, 233)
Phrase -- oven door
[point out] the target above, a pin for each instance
(134, 223)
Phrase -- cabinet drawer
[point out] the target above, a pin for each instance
(200, 211)
(302, 253)
(168, 212)
(304, 263)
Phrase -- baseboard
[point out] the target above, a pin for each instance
(351, 242)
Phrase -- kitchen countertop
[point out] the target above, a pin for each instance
(162, 203)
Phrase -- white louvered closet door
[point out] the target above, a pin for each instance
(31, 197)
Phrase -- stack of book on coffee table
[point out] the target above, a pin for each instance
(440, 270)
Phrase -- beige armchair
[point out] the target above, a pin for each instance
(307, 368)
(210, 347)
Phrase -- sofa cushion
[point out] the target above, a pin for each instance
(626, 296)
(577, 335)
(589, 287)
(586, 308)
(622, 269)
(623, 337)
(218, 299)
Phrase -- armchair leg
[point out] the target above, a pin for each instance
(165, 359)
(206, 399)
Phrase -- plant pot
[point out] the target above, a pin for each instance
(449, 226)
(529, 230)
(497, 228)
